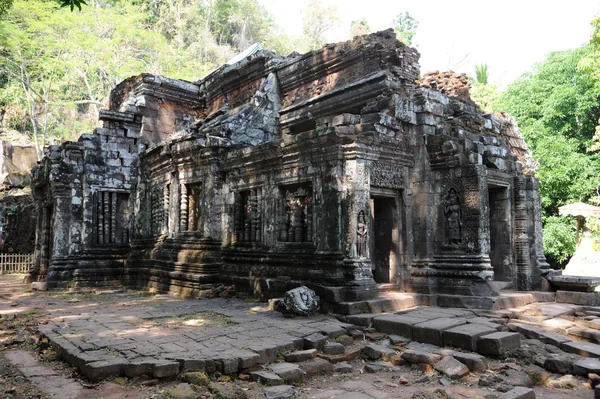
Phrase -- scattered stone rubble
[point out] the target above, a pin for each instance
(485, 348)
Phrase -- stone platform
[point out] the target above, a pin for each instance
(171, 337)
(390, 301)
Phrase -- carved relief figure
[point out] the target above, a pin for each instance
(453, 218)
(361, 235)
(296, 216)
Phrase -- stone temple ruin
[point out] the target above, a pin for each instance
(338, 169)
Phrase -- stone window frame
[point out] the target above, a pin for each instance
(184, 206)
(99, 240)
(256, 236)
(159, 192)
(281, 184)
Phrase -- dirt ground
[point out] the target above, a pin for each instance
(22, 311)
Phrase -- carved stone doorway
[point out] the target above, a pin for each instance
(384, 239)
(500, 233)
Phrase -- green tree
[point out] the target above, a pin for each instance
(359, 27)
(405, 27)
(557, 107)
(4, 6)
(318, 18)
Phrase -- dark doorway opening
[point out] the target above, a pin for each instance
(384, 242)
(500, 228)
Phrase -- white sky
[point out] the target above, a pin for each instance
(509, 35)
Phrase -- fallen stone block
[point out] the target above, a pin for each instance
(333, 348)
(332, 330)
(590, 335)
(316, 367)
(289, 372)
(533, 332)
(315, 341)
(475, 362)
(265, 377)
(39, 286)
(537, 374)
(432, 331)
(374, 351)
(466, 336)
(452, 368)
(412, 356)
(300, 356)
(343, 368)
(280, 392)
(518, 393)
(559, 365)
(582, 348)
(398, 339)
(586, 366)
(498, 343)
(373, 367)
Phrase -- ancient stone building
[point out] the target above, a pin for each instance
(336, 169)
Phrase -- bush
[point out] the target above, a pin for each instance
(559, 239)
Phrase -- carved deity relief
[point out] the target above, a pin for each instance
(295, 215)
(453, 215)
(362, 238)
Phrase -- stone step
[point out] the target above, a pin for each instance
(388, 301)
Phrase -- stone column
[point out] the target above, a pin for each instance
(523, 276)
(62, 216)
(183, 209)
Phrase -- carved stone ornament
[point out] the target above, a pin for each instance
(301, 301)
(386, 175)
(453, 216)
(362, 235)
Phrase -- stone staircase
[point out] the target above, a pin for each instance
(393, 301)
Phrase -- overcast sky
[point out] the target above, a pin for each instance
(458, 34)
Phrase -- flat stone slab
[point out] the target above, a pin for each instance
(586, 366)
(266, 378)
(374, 351)
(315, 341)
(300, 356)
(316, 367)
(498, 343)
(578, 298)
(452, 368)
(396, 324)
(289, 372)
(582, 348)
(333, 348)
(533, 332)
(589, 335)
(575, 283)
(557, 324)
(412, 356)
(466, 336)
(280, 392)
(431, 331)
(473, 361)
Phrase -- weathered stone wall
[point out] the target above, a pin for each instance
(330, 169)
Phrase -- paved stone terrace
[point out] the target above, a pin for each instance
(155, 338)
